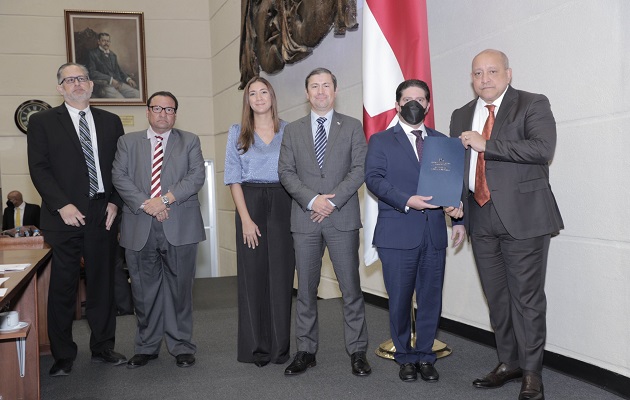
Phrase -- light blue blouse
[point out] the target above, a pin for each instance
(258, 165)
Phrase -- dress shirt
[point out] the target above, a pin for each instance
(258, 165)
(479, 120)
(412, 138)
(74, 115)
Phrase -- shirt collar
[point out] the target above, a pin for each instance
(408, 128)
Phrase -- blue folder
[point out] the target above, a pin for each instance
(442, 170)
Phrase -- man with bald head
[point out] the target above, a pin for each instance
(510, 214)
(18, 212)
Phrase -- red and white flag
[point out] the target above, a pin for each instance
(395, 48)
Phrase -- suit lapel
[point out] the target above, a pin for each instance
(401, 137)
(68, 127)
(509, 101)
(333, 135)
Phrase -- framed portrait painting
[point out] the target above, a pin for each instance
(111, 45)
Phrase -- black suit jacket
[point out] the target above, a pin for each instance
(57, 164)
(517, 156)
(30, 217)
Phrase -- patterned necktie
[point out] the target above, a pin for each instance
(419, 143)
(320, 141)
(18, 217)
(482, 193)
(88, 152)
(158, 155)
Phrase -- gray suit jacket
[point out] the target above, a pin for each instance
(182, 174)
(342, 175)
(517, 157)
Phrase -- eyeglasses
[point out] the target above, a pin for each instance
(158, 109)
(71, 79)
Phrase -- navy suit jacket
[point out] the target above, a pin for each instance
(391, 173)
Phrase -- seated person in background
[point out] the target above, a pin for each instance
(18, 212)
(104, 69)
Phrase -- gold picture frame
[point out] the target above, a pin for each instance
(111, 45)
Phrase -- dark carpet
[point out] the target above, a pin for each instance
(217, 374)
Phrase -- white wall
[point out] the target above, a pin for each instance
(575, 52)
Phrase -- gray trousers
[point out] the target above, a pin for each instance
(343, 248)
(161, 283)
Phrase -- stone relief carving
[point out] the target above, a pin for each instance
(279, 32)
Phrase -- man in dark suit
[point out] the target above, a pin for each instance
(158, 173)
(511, 214)
(19, 211)
(103, 65)
(410, 233)
(321, 165)
(70, 154)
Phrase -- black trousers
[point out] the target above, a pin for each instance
(93, 243)
(265, 276)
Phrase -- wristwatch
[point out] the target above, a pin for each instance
(165, 200)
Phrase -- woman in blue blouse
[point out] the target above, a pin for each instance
(264, 246)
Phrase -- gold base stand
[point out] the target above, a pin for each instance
(387, 348)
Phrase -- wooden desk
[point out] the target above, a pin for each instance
(25, 295)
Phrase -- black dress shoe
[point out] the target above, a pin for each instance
(61, 367)
(302, 361)
(427, 372)
(261, 363)
(140, 360)
(360, 364)
(185, 360)
(498, 377)
(408, 372)
(532, 387)
(109, 356)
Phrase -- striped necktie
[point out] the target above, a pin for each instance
(88, 152)
(320, 141)
(158, 155)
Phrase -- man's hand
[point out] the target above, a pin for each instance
(162, 216)
(132, 83)
(154, 206)
(420, 202)
(116, 84)
(456, 213)
(322, 206)
(473, 139)
(111, 211)
(458, 235)
(71, 215)
(316, 217)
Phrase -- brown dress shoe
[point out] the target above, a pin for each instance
(532, 387)
(498, 377)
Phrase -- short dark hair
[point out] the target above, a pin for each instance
(412, 83)
(321, 70)
(100, 35)
(163, 93)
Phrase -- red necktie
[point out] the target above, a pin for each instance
(158, 154)
(482, 193)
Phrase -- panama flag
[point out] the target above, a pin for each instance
(395, 48)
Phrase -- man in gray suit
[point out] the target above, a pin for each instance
(511, 214)
(321, 165)
(158, 173)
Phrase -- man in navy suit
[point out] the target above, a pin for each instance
(410, 233)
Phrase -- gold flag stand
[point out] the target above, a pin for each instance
(387, 348)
